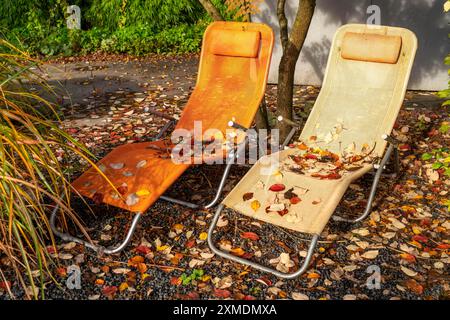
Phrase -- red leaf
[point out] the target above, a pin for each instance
(420, 238)
(310, 156)
(192, 296)
(109, 291)
(5, 285)
(295, 200)
(122, 189)
(176, 281)
(62, 271)
(143, 249)
(51, 249)
(248, 297)
(98, 197)
(283, 212)
(404, 147)
(277, 187)
(443, 246)
(250, 235)
(190, 243)
(222, 293)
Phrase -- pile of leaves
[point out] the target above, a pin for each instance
(323, 164)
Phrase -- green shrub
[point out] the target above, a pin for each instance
(116, 26)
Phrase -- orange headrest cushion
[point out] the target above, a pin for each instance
(235, 43)
(371, 47)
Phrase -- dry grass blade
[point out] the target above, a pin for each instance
(32, 174)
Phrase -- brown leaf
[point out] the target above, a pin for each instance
(414, 286)
(247, 196)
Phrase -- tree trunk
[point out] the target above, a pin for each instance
(292, 45)
(212, 10)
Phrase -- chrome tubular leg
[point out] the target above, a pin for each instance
(288, 138)
(373, 190)
(255, 265)
(221, 185)
(96, 248)
(181, 202)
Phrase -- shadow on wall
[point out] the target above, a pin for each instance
(424, 17)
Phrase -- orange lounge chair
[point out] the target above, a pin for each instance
(231, 82)
(363, 90)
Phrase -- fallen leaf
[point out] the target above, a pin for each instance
(255, 205)
(141, 164)
(237, 252)
(414, 286)
(371, 254)
(408, 272)
(123, 286)
(247, 196)
(222, 293)
(299, 296)
(277, 187)
(117, 166)
(121, 271)
(250, 235)
(132, 199)
(109, 291)
(142, 193)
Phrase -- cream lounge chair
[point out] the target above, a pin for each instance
(363, 89)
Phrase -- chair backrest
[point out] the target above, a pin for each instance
(363, 88)
(232, 76)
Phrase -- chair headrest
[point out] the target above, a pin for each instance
(371, 47)
(235, 43)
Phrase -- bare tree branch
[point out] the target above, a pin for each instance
(212, 10)
(301, 24)
(282, 20)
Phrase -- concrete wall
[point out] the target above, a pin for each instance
(424, 17)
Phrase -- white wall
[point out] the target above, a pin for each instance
(424, 17)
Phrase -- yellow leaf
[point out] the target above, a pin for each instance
(145, 276)
(162, 248)
(123, 286)
(203, 236)
(237, 251)
(142, 193)
(447, 6)
(178, 227)
(205, 278)
(255, 205)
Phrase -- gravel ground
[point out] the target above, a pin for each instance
(169, 257)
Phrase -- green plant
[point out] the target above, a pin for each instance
(440, 158)
(196, 274)
(33, 170)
